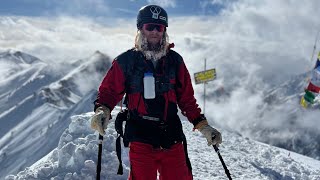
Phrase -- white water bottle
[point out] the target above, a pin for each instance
(149, 86)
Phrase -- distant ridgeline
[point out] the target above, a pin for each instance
(311, 96)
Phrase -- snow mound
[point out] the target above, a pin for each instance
(76, 157)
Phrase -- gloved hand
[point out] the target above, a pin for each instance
(212, 135)
(100, 120)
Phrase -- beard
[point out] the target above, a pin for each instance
(152, 51)
(153, 47)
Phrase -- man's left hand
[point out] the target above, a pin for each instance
(212, 135)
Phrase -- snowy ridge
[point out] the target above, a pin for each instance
(17, 72)
(19, 58)
(291, 89)
(19, 88)
(78, 82)
(76, 156)
(275, 116)
(296, 128)
(37, 103)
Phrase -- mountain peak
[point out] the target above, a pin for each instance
(18, 57)
(97, 52)
(98, 55)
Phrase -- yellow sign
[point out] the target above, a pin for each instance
(204, 76)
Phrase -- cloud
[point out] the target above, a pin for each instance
(258, 34)
(64, 38)
(246, 33)
(255, 46)
(214, 6)
(80, 7)
(264, 33)
(128, 11)
(163, 3)
(206, 3)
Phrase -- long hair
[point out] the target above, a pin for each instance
(141, 44)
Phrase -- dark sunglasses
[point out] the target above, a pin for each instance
(151, 27)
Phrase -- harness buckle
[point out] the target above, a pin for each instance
(151, 118)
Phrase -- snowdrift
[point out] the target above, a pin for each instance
(76, 157)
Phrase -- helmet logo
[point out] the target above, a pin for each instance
(155, 12)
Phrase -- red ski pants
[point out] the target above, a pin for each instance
(146, 161)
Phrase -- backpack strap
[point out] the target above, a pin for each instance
(185, 147)
(118, 150)
(122, 116)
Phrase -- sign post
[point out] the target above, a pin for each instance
(204, 77)
(204, 89)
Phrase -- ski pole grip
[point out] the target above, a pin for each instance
(100, 139)
(215, 148)
(103, 119)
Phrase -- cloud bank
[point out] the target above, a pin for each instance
(163, 3)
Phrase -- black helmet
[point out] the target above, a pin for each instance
(152, 14)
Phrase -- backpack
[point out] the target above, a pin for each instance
(124, 115)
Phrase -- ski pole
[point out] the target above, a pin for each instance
(222, 162)
(99, 157)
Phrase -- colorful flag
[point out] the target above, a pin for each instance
(314, 84)
(309, 96)
(303, 102)
(313, 88)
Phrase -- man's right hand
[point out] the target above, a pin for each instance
(100, 120)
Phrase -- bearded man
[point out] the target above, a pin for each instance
(153, 128)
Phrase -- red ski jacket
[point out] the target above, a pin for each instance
(114, 86)
(173, 87)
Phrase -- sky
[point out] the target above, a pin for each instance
(102, 8)
(233, 30)
(255, 46)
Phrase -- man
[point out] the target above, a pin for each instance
(153, 128)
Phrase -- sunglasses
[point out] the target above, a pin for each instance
(151, 27)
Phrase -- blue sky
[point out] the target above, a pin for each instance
(98, 8)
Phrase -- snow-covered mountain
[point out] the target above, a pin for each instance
(76, 155)
(297, 130)
(275, 116)
(37, 100)
(24, 75)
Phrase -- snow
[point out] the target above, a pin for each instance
(75, 157)
(34, 112)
